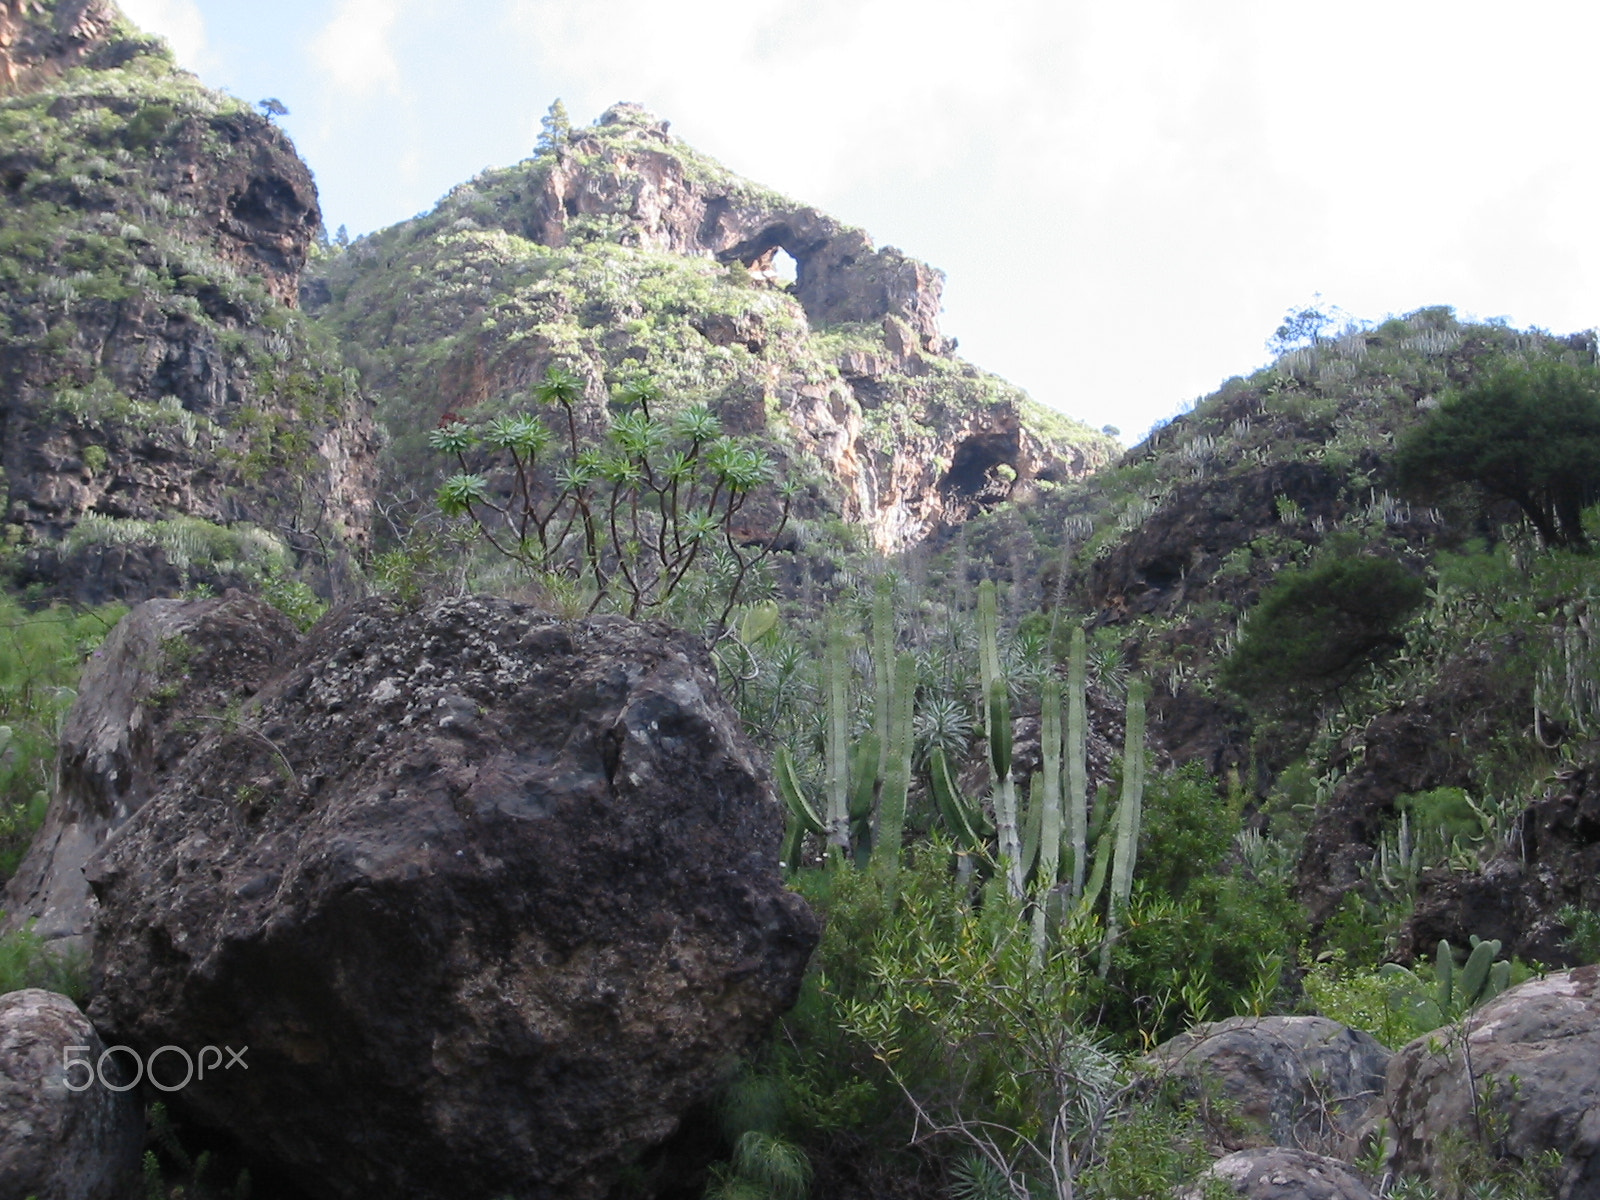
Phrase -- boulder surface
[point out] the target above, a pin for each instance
(169, 670)
(1534, 1057)
(1302, 1082)
(1279, 1173)
(59, 1139)
(491, 898)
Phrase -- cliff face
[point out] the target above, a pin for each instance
(624, 250)
(40, 41)
(153, 368)
(637, 170)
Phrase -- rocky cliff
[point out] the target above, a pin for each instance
(622, 250)
(159, 392)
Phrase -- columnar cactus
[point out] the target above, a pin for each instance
(1078, 757)
(997, 725)
(1128, 813)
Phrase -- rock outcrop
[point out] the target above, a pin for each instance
(1517, 896)
(38, 43)
(1425, 744)
(1527, 1076)
(640, 171)
(1300, 1082)
(169, 671)
(152, 368)
(491, 898)
(64, 1135)
(1278, 1173)
(623, 250)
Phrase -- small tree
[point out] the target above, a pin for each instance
(1524, 432)
(272, 107)
(624, 519)
(555, 129)
(1315, 628)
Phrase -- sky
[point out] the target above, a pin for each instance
(1126, 196)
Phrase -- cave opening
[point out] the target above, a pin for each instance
(768, 257)
(982, 470)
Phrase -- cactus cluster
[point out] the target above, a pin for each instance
(867, 780)
(1052, 853)
(1453, 991)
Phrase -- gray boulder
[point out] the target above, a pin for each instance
(168, 670)
(1280, 1173)
(1303, 1082)
(492, 899)
(1534, 1058)
(61, 1142)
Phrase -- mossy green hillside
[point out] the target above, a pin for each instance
(155, 366)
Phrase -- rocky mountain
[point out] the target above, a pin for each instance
(1477, 694)
(166, 413)
(620, 250)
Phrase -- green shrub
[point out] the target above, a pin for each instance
(1316, 627)
(1528, 433)
(41, 654)
(27, 961)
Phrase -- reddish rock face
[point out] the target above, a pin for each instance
(150, 370)
(492, 898)
(841, 276)
(37, 45)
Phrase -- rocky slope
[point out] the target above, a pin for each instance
(1480, 695)
(159, 392)
(622, 250)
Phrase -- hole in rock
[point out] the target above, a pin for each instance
(783, 269)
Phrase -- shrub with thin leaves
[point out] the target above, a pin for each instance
(649, 509)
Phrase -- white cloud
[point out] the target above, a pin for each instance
(812, 95)
(180, 22)
(355, 48)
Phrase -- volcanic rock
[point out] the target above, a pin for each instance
(1533, 1056)
(169, 671)
(491, 898)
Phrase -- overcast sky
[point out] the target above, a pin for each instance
(1126, 195)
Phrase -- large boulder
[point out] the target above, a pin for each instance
(167, 672)
(1279, 1173)
(1303, 1082)
(60, 1139)
(491, 898)
(1533, 1054)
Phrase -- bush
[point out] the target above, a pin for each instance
(1316, 628)
(1524, 432)
(27, 961)
(41, 654)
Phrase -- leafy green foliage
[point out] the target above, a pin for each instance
(625, 519)
(27, 961)
(1524, 432)
(41, 654)
(1584, 939)
(1315, 628)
